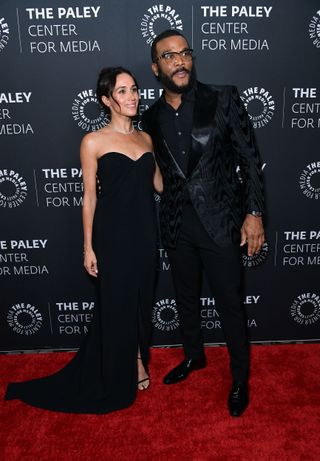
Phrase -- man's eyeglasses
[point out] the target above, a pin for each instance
(170, 56)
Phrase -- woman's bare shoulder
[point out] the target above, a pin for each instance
(147, 139)
(145, 135)
(94, 139)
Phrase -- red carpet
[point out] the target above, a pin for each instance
(184, 422)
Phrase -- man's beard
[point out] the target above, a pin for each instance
(169, 84)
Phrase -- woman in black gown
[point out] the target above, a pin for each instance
(120, 251)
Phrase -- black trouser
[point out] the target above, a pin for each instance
(195, 251)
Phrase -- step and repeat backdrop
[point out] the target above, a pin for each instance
(50, 55)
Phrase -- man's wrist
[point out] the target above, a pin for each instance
(256, 214)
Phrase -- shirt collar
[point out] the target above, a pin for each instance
(189, 96)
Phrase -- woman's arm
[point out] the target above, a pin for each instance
(88, 157)
(157, 180)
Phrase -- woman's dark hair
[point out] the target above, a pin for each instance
(107, 82)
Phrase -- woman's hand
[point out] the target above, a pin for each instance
(90, 263)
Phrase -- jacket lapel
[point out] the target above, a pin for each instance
(203, 123)
(202, 129)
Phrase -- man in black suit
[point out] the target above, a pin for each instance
(201, 135)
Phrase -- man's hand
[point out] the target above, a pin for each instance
(252, 233)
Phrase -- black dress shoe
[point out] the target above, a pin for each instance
(238, 398)
(183, 370)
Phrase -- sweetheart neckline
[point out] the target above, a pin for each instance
(124, 155)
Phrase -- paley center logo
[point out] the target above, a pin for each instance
(314, 29)
(165, 16)
(307, 181)
(87, 111)
(256, 259)
(165, 315)
(24, 319)
(4, 33)
(305, 309)
(13, 189)
(260, 105)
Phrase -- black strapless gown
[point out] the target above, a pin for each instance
(102, 376)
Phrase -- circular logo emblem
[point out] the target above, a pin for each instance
(165, 315)
(4, 33)
(305, 309)
(87, 111)
(260, 105)
(310, 181)
(314, 29)
(13, 189)
(257, 259)
(24, 319)
(158, 18)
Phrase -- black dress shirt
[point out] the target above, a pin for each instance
(176, 127)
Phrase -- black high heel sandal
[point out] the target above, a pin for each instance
(143, 380)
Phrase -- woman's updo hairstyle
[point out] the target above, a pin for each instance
(107, 82)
